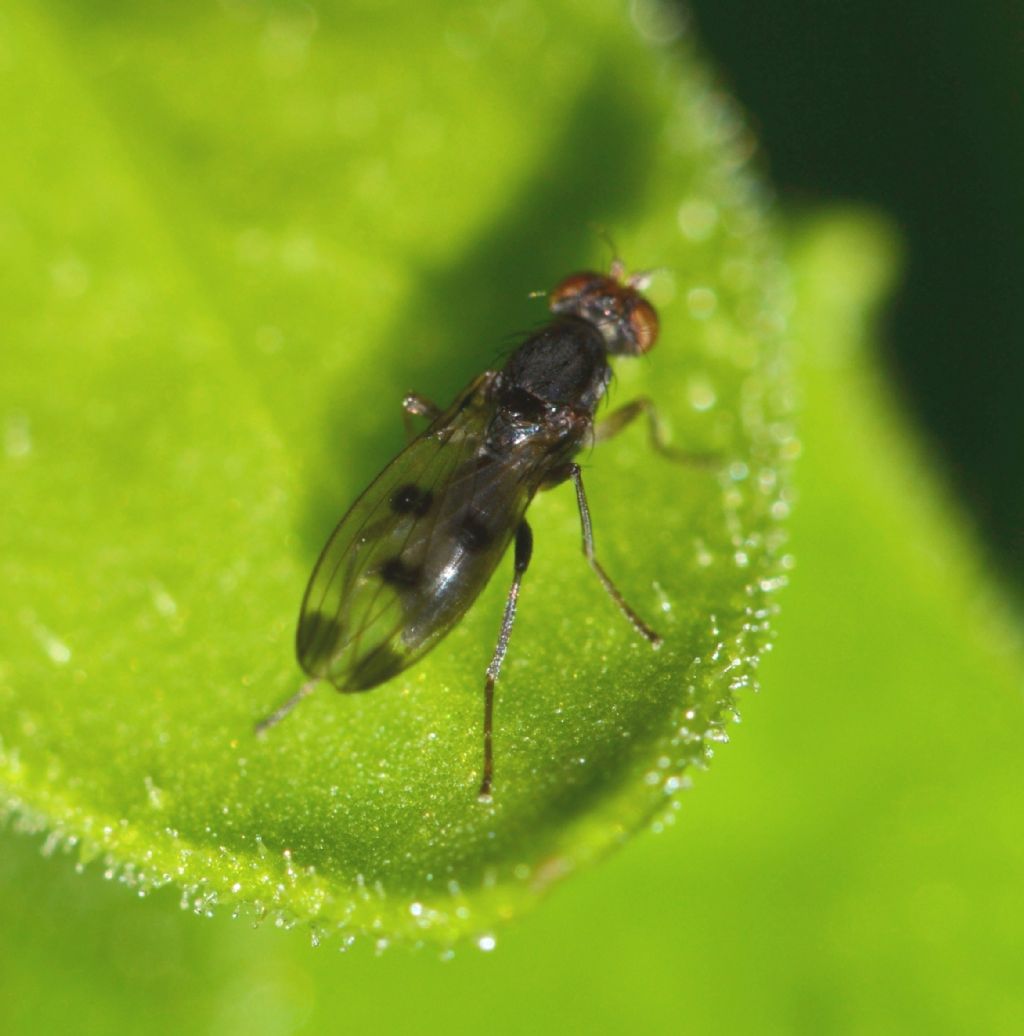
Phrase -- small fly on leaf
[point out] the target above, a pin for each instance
(415, 550)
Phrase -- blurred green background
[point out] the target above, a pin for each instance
(918, 109)
(852, 863)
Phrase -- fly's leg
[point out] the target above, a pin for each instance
(619, 419)
(639, 625)
(415, 405)
(524, 549)
(282, 710)
(419, 406)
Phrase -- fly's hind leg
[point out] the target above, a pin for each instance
(415, 405)
(619, 419)
(638, 624)
(523, 552)
(282, 710)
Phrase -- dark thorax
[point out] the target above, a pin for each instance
(546, 394)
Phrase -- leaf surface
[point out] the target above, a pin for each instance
(231, 243)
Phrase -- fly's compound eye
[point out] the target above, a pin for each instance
(643, 325)
(565, 296)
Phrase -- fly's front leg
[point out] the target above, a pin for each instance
(523, 552)
(619, 419)
(415, 405)
(639, 625)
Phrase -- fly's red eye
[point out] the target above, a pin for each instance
(643, 323)
(571, 288)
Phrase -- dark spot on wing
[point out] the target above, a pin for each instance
(317, 638)
(379, 665)
(410, 499)
(395, 572)
(472, 532)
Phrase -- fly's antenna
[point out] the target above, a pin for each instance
(641, 279)
(282, 710)
(616, 267)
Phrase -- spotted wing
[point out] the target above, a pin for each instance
(413, 552)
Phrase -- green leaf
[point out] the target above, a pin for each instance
(851, 864)
(231, 243)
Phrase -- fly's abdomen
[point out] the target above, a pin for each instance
(390, 612)
(407, 562)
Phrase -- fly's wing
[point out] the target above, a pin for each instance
(413, 552)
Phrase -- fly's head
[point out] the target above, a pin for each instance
(614, 305)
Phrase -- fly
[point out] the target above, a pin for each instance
(415, 550)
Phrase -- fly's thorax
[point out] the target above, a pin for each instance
(565, 363)
(538, 445)
(524, 424)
